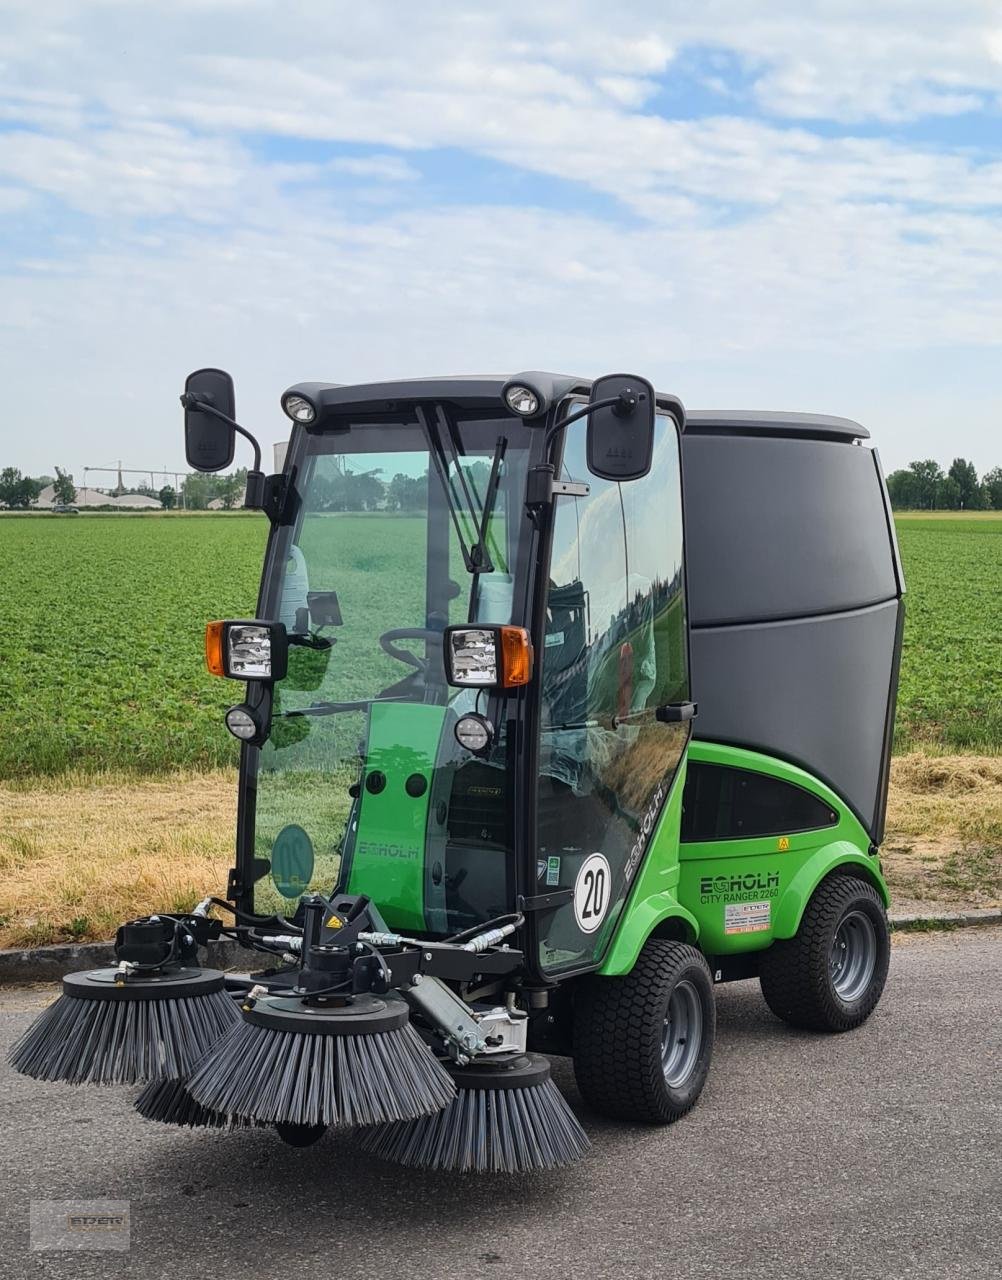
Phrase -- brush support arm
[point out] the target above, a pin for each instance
(346, 950)
(163, 942)
(451, 1017)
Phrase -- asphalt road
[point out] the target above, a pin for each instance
(874, 1154)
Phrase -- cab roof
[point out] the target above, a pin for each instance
(484, 391)
(749, 422)
(473, 391)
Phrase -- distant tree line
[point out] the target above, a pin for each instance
(921, 486)
(925, 486)
(365, 491)
(20, 492)
(200, 489)
(343, 490)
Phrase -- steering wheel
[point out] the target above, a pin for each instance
(408, 633)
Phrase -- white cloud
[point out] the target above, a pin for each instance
(191, 232)
(381, 168)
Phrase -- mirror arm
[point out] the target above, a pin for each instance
(583, 412)
(257, 448)
(193, 400)
(255, 497)
(541, 487)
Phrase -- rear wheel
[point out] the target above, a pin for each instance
(830, 975)
(642, 1043)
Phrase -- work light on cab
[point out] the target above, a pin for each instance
(474, 732)
(488, 657)
(247, 650)
(299, 409)
(523, 394)
(242, 723)
(522, 400)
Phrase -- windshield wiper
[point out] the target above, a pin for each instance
(476, 558)
(480, 554)
(437, 452)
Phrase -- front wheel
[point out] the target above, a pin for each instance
(300, 1135)
(831, 973)
(643, 1043)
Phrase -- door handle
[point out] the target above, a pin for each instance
(676, 712)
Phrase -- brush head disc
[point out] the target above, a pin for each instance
(181, 984)
(507, 1117)
(293, 1064)
(366, 1015)
(153, 1028)
(525, 1071)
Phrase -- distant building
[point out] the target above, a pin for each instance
(98, 498)
(137, 501)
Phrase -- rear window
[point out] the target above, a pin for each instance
(721, 803)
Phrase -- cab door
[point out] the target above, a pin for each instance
(614, 671)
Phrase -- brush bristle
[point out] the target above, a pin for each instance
(169, 1102)
(487, 1131)
(122, 1042)
(260, 1073)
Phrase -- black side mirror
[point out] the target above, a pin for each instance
(325, 611)
(209, 442)
(621, 433)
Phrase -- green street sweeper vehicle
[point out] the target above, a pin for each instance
(561, 705)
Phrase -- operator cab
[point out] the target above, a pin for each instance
(415, 516)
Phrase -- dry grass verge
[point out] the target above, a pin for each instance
(80, 854)
(944, 830)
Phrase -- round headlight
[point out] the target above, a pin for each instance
(474, 733)
(241, 723)
(299, 409)
(522, 400)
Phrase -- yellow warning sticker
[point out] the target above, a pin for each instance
(334, 922)
(783, 843)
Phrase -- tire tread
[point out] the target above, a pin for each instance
(617, 1041)
(794, 971)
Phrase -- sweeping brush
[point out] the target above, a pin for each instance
(169, 1102)
(108, 1028)
(507, 1117)
(292, 1062)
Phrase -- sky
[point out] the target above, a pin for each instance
(783, 205)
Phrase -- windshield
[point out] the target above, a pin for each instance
(405, 527)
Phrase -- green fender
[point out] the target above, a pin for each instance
(840, 853)
(644, 918)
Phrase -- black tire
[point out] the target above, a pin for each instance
(300, 1135)
(800, 976)
(621, 1026)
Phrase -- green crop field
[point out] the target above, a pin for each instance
(951, 671)
(101, 644)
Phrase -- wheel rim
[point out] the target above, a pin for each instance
(853, 956)
(682, 1034)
